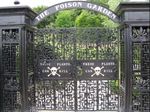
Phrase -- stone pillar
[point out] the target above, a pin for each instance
(135, 56)
(15, 30)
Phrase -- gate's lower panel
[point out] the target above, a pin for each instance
(71, 95)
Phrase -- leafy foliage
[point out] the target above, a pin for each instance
(65, 19)
(88, 19)
(100, 2)
(47, 22)
(79, 17)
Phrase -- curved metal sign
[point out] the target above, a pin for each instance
(76, 4)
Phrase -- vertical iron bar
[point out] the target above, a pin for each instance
(1, 83)
(64, 83)
(23, 70)
(64, 47)
(86, 50)
(74, 65)
(128, 69)
(97, 94)
(54, 89)
(119, 64)
(97, 50)
(44, 84)
(53, 42)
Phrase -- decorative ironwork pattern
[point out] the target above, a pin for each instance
(145, 64)
(75, 45)
(11, 97)
(87, 95)
(59, 49)
(41, 93)
(108, 98)
(10, 52)
(55, 95)
(11, 101)
(55, 44)
(64, 95)
(10, 35)
(92, 43)
(141, 69)
(96, 95)
(90, 95)
(96, 43)
(141, 94)
(140, 33)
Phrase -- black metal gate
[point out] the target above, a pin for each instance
(139, 82)
(76, 69)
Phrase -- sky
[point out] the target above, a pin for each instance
(32, 3)
(35, 3)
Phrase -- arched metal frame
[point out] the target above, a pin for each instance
(76, 4)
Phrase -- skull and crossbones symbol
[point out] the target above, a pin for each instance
(53, 71)
(97, 71)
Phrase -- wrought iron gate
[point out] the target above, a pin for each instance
(139, 41)
(76, 69)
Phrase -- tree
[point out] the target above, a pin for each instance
(47, 22)
(88, 19)
(112, 5)
(65, 19)
(100, 2)
(79, 17)
(95, 19)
